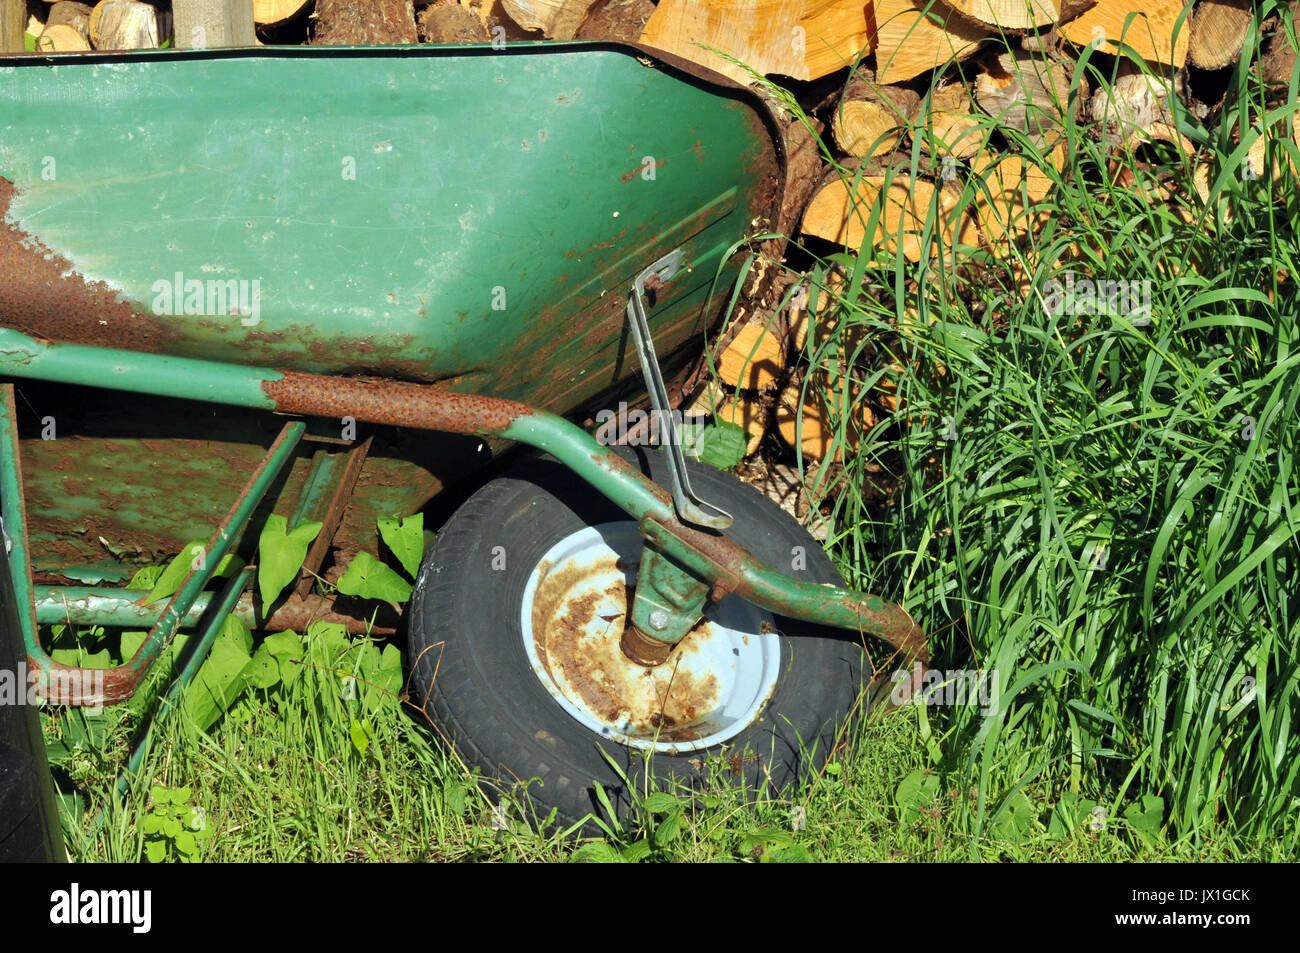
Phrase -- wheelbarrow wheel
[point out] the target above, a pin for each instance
(514, 635)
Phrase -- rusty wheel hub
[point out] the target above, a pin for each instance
(714, 683)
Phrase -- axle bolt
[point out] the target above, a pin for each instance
(658, 619)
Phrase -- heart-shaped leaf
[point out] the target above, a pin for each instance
(368, 578)
(280, 555)
(406, 539)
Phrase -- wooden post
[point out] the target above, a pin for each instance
(13, 23)
(204, 24)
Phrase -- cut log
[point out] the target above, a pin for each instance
(871, 119)
(13, 20)
(448, 22)
(1009, 14)
(75, 15)
(61, 38)
(747, 412)
(803, 40)
(557, 19)
(743, 409)
(753, 360)
(123, 25)
(1150, 34)
(363, 23)
(839, 216)
(1218, 32)
(1014, 185)
(961, 226)
(804, 170)
(1025, 91)
(1136, 108)
(276, 12)
(954, 129)
(813, 420)
(498, 23)
(620, 20)
(203, 24)
(909, 43)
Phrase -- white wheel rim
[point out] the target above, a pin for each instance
(716, 683)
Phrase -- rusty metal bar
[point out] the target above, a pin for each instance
(340, 483)
(428, 407)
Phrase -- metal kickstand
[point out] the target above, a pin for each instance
(690, 508)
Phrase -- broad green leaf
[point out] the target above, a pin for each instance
(368, 578)
(793, 854)
(660, 803)
(1145, 817)
(360, 733)
(598, 852)
(1071, 813)
(669, 828)
(131, 642)
(635, 853)
(280, 555)
(221, 678)
(283, 650)
(145, 577)
(1016, 822)
(760, 839)
(328, 643)
(915, 792)
(718, 443)
(263, 670)
(78, 657)
(171, 577)
(155, 851)
(379, 675)
(406, 539)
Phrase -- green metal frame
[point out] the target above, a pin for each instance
(120, 682)
(684, 563)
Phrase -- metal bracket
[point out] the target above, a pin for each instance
(690, 508)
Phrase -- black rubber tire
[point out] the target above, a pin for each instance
(488, 701)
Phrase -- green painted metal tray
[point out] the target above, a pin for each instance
(455, 215)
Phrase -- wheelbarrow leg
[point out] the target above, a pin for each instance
(690, 508)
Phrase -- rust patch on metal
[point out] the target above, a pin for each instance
(643, 649)
(43, 294)
(654, 164)
(299, 611)
(394, 403)
(334, 508)
(579, 646)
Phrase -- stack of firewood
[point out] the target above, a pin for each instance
(982, 87)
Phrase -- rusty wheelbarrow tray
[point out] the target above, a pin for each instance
(436, 245)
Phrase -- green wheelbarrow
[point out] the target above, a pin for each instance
(330, 284)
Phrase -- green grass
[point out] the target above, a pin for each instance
(1074, 505)
(280, 781)
(1105, 514)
